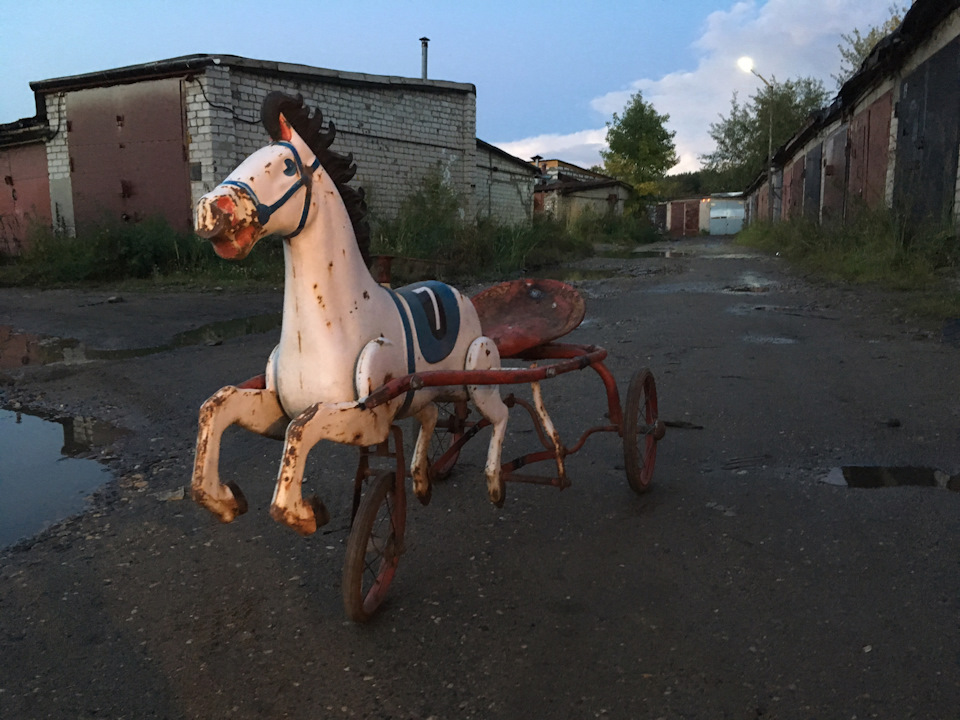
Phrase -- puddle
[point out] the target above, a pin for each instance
(950, 334)
(746, 288)
(751, 283)
(684, 287)
(768, 340)
(867, 476)
(810, 311)
(629, 253)
(576, 274)
(660, 254)
(750, 309)
(18, 349)
(41, 480)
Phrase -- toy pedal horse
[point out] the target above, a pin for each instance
(343, 334)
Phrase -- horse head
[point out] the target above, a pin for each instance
(269, 192)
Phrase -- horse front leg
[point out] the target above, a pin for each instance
(341, 422)
(254, 409)
(483, 355)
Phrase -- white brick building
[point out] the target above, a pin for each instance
(151, 139)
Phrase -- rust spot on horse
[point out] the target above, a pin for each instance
(330, 266)
(300, 342)
(366, 295)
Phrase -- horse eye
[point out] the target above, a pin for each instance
(289, 167)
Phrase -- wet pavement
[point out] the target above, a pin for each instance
(743, 585)
(43, 478)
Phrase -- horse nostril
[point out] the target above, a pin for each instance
(211, 218)
(218, 227)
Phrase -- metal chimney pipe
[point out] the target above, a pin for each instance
(423, 57)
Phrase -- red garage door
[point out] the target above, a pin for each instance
(128, 154)
(24, 195)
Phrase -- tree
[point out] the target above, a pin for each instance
(772, 117)
(856, 46)
(641, 149)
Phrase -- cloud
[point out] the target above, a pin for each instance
(786, 39)
(580, 148)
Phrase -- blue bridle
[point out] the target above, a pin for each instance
(294, 167)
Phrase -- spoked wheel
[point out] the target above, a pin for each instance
(374, 546)
(642, 429)
(450, 428)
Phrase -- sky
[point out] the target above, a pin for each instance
(549, 75)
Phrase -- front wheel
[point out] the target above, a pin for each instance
(374, 546)
(642, 429)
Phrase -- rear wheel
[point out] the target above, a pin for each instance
(450, 427)
(642, 429)
(374, 546)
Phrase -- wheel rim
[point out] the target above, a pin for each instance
(449, 429)
(382, 556)
(374, 546)
(642, 429)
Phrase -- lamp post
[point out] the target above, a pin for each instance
(746, 64)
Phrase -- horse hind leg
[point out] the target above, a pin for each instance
(483, 355)
(419, 466)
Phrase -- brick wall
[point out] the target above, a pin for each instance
(397, 129)
(504, 190)
(58, 163)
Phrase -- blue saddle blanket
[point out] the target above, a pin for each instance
(436, 317)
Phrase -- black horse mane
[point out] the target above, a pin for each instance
(340, 167)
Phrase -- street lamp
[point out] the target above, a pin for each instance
(746, 64)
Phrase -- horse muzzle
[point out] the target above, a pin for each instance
(228, 219)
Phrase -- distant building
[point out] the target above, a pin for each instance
(566, 190)
(891, 137)
(718, 214)
(505, 185)
(150, 139)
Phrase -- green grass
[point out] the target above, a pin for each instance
(878, 249)
(145, 254)
(431, 226)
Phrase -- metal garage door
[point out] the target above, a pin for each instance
(128, 153)
(929, 113)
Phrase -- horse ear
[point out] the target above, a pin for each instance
(286, 131)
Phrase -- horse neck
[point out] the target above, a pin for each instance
(324, 270)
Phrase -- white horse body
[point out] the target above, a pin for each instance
(342, 335)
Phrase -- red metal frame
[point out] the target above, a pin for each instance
(576, 357)
(569, 357)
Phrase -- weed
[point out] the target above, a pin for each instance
(146, 251)
(431, 225)
(878, 248)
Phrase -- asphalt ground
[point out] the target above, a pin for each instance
(741, 585)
